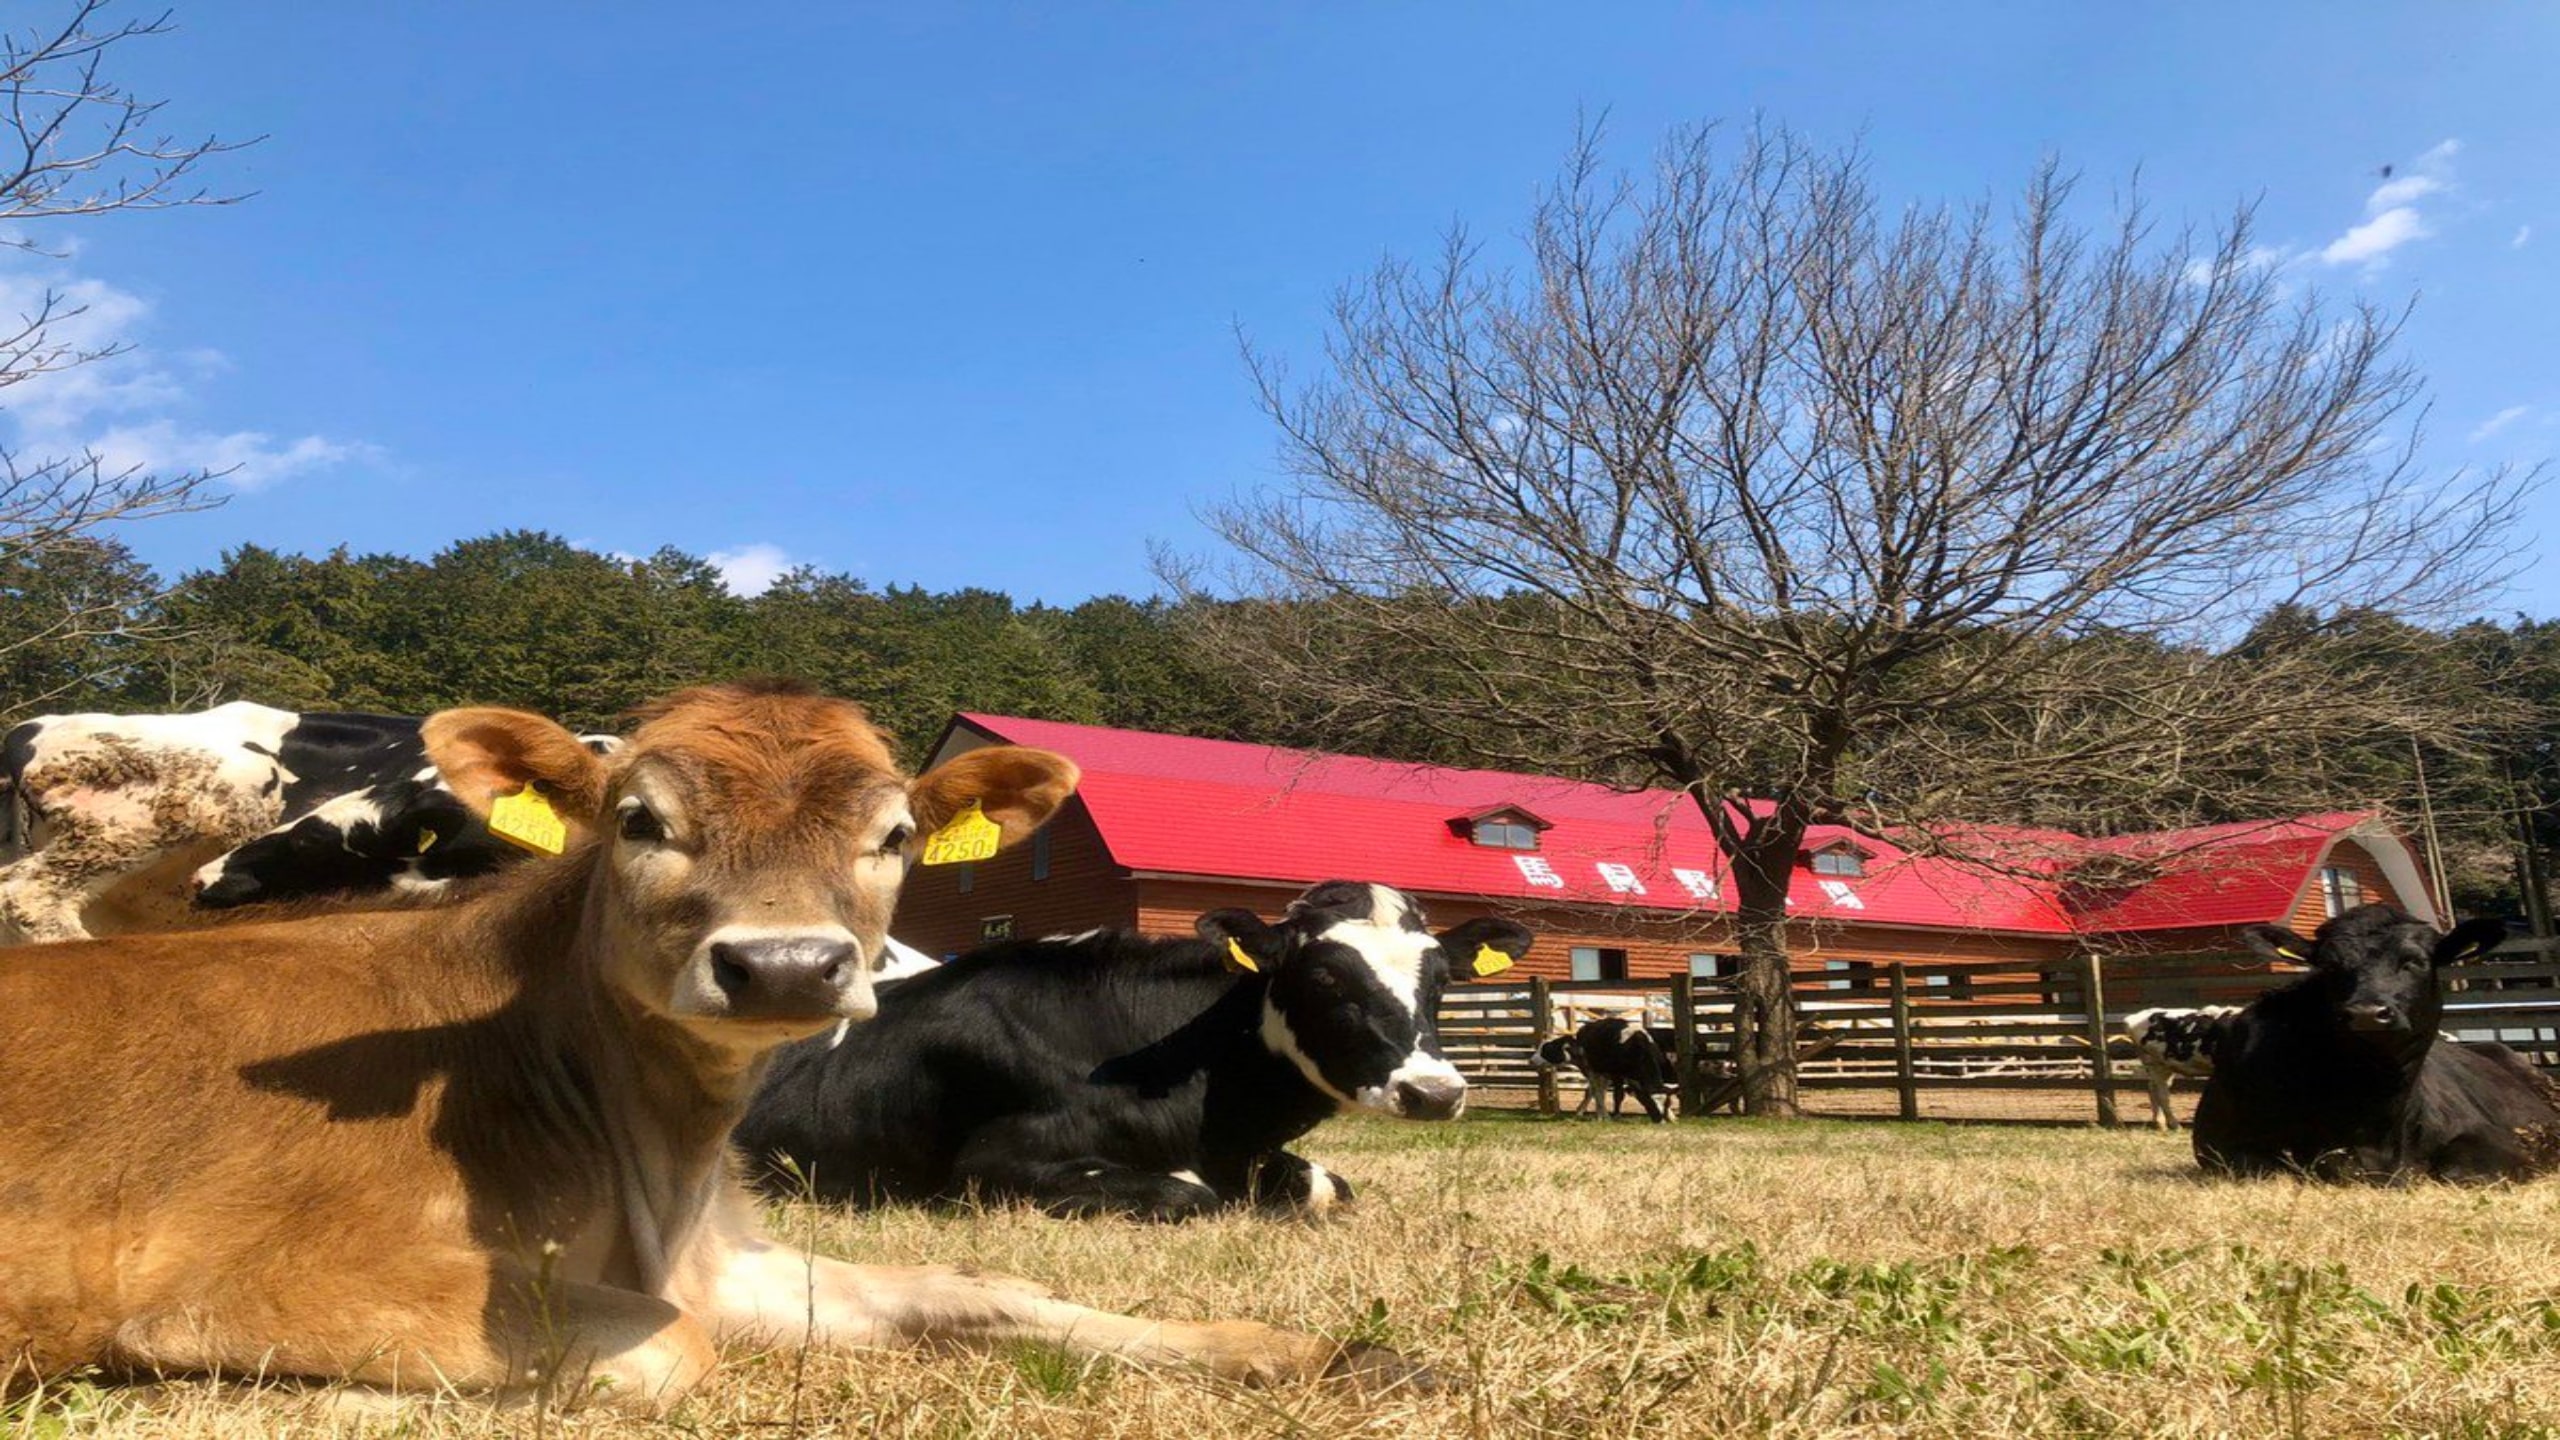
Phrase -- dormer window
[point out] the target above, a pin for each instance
(1505, 827)
(1839, 858)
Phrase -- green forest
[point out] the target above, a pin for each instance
(528, 619)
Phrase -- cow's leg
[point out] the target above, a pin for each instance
(1590, 1097)
(1652, 1107)
(2164, 1118)
(1283, 1180)
(575, 1343)
(1086, 1185)
(768, 1293)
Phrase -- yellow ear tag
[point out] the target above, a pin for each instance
(1235, 953)
(969, 836)
(527, 819)
(426, 841)
(1490, 961)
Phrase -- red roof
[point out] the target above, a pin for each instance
(1174, 805)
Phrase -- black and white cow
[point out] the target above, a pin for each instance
(2170, 1043)
(113, 822)
(2341, 1074)
(1622, 1055)
(372, 819)
(1111, 1073)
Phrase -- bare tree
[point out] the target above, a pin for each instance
(1824, 511)
(75, 143)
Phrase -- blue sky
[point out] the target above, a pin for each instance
(947, 294)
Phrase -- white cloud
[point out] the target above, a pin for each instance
(2392, 214)
(2498, 422)
(750, 570)
(2523, 233)
(2376, 237)
(127, 405)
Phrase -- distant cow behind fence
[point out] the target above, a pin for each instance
(1983, 1040)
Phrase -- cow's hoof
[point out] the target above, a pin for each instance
(1379, 1370)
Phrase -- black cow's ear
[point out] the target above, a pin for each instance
(1250, 945)
(2277, 943)
(2470, 939)
(1481, 949)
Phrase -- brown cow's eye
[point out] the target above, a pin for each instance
(896, 839)
(640, 823)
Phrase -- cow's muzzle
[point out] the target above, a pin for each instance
(791, 978)
(2373, 1019)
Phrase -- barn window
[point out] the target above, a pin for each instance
(1839, 860)
(1713, 967)
(1849, 975)
(1591, 962)
(968, 877)
(1504, 827)
(1039, 854)
(2339, 892)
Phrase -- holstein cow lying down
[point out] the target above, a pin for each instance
(109, 823)
(2171, 1043)
(487, 1145)
(1110, 1073)
(1620, 1054)
(2341, 1075)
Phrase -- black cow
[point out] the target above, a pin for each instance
(1110, 1073)
(2341, 1075)
(1621, 1054)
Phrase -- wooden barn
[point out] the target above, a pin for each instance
(1618, 886)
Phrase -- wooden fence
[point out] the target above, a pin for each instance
(1986, 1039)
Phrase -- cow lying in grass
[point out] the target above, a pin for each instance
(1621, 1055)
(2341, 1073)
(2172, 1043)
(1110, 1073)
(487, 1146)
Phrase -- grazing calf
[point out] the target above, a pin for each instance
(1621, 1054)
(1111, 1073)
(2341, 1075)
(486, 1146)
(2171, 1043)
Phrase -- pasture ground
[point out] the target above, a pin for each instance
(1714, 1278)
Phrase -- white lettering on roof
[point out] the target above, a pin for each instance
(1621, 878)
(1698, 883)
(1536, 870)
(1842, 896)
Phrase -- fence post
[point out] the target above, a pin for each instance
(1684, 1029)
(2102, 1070)
(1541, 1017)
(1906, 1074)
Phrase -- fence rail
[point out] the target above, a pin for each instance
(1911, 1030)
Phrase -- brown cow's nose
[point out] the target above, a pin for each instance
(784, 978)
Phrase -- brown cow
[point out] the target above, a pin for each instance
(486, 1146)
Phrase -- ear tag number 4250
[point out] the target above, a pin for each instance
(526, 818)
(969, 836)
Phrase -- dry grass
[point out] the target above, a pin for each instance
(1715, 1278)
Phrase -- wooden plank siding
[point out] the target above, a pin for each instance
(1083, 889)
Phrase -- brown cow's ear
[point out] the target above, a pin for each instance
(1014, 787)
(485, 753)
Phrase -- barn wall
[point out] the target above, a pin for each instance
(1657, 945)
(1084, 889)
(2351, 856)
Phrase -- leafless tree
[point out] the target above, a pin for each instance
(75, 143)
(1825, 510)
